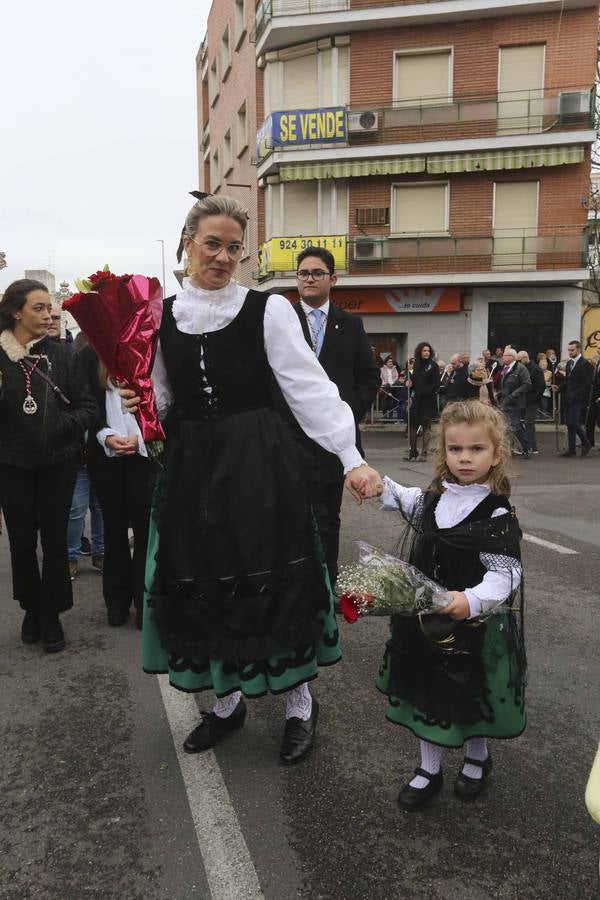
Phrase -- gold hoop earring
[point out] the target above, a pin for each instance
(190, 268)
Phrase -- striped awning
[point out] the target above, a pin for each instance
(354, 168)
(521, 158)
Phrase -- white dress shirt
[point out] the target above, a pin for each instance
(311, 396)
(120, 422)
(454, 505)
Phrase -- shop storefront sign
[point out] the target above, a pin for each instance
(394, 300)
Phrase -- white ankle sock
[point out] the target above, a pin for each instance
(226, 705)
(431, 760)
(299, 703)
(475, 748)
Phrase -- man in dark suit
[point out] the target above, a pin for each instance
(453, 385)
(534, 397)
(593, 416)
(343, 349)
(575, 388)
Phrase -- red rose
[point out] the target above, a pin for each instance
(348, 608)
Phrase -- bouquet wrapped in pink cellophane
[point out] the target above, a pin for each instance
(120, 316)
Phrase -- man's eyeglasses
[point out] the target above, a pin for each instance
(315, 274)
(213, 248)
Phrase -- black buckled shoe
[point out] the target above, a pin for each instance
(31, 630)
(411, 798)
(468, 788)
(212, 728)
(53, 636)
(299, 737)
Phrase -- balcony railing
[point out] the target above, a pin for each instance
(508, 250)
(472, 115)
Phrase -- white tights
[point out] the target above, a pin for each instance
(298, 703)
(431, 760)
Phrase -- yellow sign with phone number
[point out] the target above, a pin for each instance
(280, 254)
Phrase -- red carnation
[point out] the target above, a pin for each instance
(348, 608)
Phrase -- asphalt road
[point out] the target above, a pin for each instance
(95, 804)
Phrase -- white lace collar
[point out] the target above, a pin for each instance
(196, 310)
(476, 490)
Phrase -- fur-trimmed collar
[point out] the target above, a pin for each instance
(13, 348)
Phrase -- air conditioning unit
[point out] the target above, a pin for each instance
(363, 120)
(369, 248)
(375, 215)
(574, 103)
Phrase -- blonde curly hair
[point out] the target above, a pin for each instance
(474, 412)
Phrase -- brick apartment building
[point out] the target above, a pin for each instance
(440, 149)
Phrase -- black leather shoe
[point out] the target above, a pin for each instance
(566, 454)
(411, 798)
(117, 617)
(212, 728)
(53, 636)
(31, 630)
(468, 788)
(585, 450)
(299, 737)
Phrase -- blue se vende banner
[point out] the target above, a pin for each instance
(301, 126)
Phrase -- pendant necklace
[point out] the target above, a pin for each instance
(29, 404)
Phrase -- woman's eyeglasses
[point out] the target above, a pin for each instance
(213, 248)
(315, 274)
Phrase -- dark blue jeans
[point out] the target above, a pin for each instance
(513, 414)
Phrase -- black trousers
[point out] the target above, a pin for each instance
(326, 501)
(124, 492)
(35, 501)
(593, 419)
(574, 427)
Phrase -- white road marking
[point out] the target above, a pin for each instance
(229, 868)
(558, 548)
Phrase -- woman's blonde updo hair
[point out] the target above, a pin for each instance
(214, 206)
(474, 412)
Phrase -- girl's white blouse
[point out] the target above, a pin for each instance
(455, 504)
(312, 397)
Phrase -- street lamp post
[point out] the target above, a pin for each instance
(162, 247)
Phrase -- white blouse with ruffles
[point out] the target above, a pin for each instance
(311, 396)
(455, 504)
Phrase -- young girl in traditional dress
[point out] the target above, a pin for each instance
(457, 678)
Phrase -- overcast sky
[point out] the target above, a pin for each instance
(97, 133)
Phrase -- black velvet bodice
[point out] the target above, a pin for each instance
(221, 372)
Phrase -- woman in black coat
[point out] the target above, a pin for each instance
(45, 409)
(424, 385)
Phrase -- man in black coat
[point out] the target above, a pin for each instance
(453, 385)
(593, 416)
(575, 389)
(534, 397)
(343, 349)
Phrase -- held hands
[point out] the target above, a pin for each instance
(129, 400)
(364, 482)
(458, 608)
(122, 446)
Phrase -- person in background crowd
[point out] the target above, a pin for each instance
(542, 361)
(402, 396)
(593, 416)
(534, 397)
(45, 409)
(424, 384)
(453, 385)
(479, 383)
(56, 331)
(389, 380)
(553, 360)
(575, 388)
(512, 396)
(498, 352)
(121, 472)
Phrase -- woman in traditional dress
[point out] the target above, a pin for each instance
(237, 595)
(45, 409)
